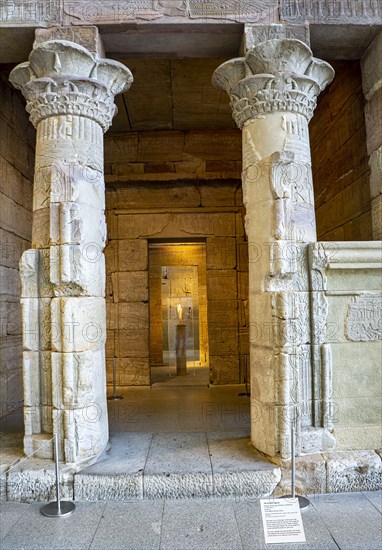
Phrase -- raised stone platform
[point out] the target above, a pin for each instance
(154, 466)
(149, 466)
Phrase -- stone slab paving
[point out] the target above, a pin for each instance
(343, 521)
(130, 526)
(344, 516)
(33, 531)
(248, 516)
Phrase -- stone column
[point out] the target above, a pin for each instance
(371, 65)
(70, 98)
(273, 91)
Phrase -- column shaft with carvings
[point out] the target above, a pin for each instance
(70, 98)
(273, 92)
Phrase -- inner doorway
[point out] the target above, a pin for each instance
(178, 314)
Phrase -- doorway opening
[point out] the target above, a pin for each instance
(178, 314)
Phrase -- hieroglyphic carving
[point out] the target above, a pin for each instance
(31, 11)
(254, 34)
(99, 11)
(331, 11)
(364, 318)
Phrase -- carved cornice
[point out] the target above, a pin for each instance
(63, 78)
(276, 75)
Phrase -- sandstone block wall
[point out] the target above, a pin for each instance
(184, 186)
(340, 159)
(17, 139)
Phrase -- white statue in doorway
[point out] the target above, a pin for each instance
(179, 310)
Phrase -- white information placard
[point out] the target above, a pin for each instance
(282, 520)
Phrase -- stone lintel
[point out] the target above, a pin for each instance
(331, 12)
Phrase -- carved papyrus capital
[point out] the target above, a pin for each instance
(64, 78)
(276, 75)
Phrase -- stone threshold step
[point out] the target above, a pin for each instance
(177, 465)
(139, 466)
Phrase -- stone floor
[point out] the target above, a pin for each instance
(166, 376)
(164, 408)
(165, 442)
(345, 521)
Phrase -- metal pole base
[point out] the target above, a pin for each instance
(244, 394)
(302, 501)
(114, 397)
(51, 510)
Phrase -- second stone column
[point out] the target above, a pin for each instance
(273, 91)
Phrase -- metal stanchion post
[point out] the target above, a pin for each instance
(302, 501)
(115, 396)
(247, 392)
(57, 509)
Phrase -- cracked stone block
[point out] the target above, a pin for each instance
(353, 471)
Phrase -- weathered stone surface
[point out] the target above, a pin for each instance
(215, 147)
(70, 98)
(310, 476)
(224, 369)
(219, 194)
(36, 316)
(168, 225)
(126, 255)
(128, 315)
(133, 371)
(325, 11)
(371, 65)
(160, 146)
(238, 469)
(118, 475)
(223, 340)
(78, 324)
(34, 479)
(364, 318)
(221, 284)
(254, 34)
(221, 253)
(133, 342)
(158, 195)
(130, 286)
(78, 379)
(375, 163)
(316, 439)
(279, 202)
(373, 112)
(353, 471)
(37, 371)
(77, 270)
(86, 36)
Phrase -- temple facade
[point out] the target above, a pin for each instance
(195, 185)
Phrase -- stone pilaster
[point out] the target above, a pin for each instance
(273, 91)
(70, 99)
(371, 65)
